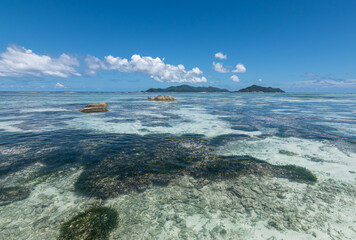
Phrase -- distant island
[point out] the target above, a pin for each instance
(260, 89)
(187, 88)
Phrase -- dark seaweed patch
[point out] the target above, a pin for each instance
(120, 120)
(313, 159)
(12, 194)
(93, 224)
(105, 182)
(151, 160)
(158, 159)
(156, 124)
(115, 164)
(296, 173)
(288, 153)
(225, 167)
(223, 139)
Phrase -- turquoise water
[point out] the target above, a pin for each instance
(209, 166)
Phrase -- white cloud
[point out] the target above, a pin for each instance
(17, 62)
(94, 64)
(219, 67)
(235, 78)
(240, 68)
(220, 55)
(155, 67)
(260, 79)
(59, 85)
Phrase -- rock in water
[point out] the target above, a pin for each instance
(95, 107)
(162, 98)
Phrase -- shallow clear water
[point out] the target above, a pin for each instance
(204, 167)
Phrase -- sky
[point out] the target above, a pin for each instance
(297, 45)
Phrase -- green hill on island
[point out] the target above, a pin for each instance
(187, 88)
(256, 88)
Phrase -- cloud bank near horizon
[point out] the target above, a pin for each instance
(325, 83)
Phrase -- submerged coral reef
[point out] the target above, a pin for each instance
(94, 224)
(158, 160)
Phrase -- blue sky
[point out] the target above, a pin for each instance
(300, 46)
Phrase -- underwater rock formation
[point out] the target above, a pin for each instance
(162, 98)
(93, 224)
(95, 107)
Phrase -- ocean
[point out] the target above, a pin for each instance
(207, 166)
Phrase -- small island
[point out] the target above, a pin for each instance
(260, 89)
(187, 88)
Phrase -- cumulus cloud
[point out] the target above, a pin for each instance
(155, 67)
(220, 55)
(235, 78)
(17, 61)
(59, 85)
(240, 68)
(94, 64)
(260, 79)
(219, 67)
